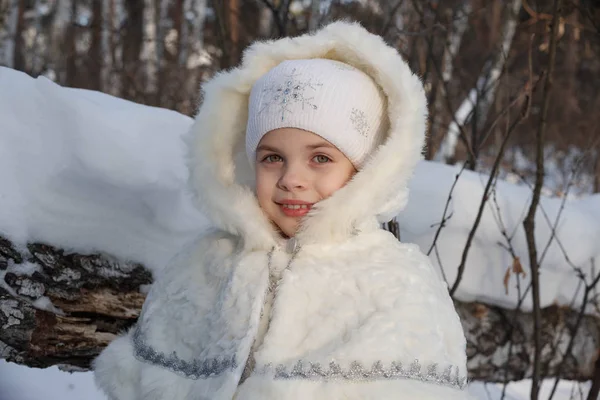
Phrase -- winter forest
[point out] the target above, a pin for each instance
(95, 95)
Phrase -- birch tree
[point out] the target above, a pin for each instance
(481, 97)
(149, 54)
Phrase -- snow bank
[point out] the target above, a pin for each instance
(21, 383)
(89, 172)
(576, 242)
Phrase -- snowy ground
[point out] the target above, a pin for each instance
(87, 172)
(22, 383)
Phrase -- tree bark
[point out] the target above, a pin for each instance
(58, 308)
(490, 330)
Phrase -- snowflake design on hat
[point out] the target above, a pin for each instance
(292, 91)
(359, 121)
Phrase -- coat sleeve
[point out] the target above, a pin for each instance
(117, 371)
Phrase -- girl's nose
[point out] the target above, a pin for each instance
(292, 179)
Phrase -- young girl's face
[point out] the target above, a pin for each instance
(294, 170)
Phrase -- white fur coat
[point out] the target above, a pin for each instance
(358, 315)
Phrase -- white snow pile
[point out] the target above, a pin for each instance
(88, 172)
(567, 236)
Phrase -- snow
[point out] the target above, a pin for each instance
(21, 383)
(575, 244)
(521, 390)
(26, 268)
(88, 172)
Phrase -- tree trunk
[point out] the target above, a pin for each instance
(19, 44)
(132, 47)
(59, 308)
(8, 32)
(71, 48)
(233, 19)
(95, 59)
(454, 39)
(163, 25)
(149, 56)
(481, 97)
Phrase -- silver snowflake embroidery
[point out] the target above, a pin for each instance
(292, 91)
(359, 121)
(449, 376)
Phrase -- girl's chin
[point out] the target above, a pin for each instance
(287, 230)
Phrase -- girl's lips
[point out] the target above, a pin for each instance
(297, 210)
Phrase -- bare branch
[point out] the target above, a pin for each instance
(483, 202)
(529, 223)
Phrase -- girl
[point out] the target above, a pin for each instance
(297, 293)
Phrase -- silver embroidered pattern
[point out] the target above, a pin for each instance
(194, 369)
(359, 121)
(292, 91)
(356, 372)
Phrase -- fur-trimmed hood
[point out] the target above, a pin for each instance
(223, 179)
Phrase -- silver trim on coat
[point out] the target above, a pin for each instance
(194, 369)
(449, 376)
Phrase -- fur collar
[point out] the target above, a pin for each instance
(223, 179)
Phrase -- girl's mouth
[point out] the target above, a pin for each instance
(295, 210)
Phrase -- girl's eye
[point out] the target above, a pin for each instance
(272, 158)
(321, 159)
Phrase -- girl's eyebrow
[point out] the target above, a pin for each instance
(321, 144)
(264, 147)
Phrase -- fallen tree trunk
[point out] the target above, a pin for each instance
(58, 308)
(493, 333)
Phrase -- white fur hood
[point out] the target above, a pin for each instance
(220, 169)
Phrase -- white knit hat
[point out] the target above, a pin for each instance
(338, 102)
